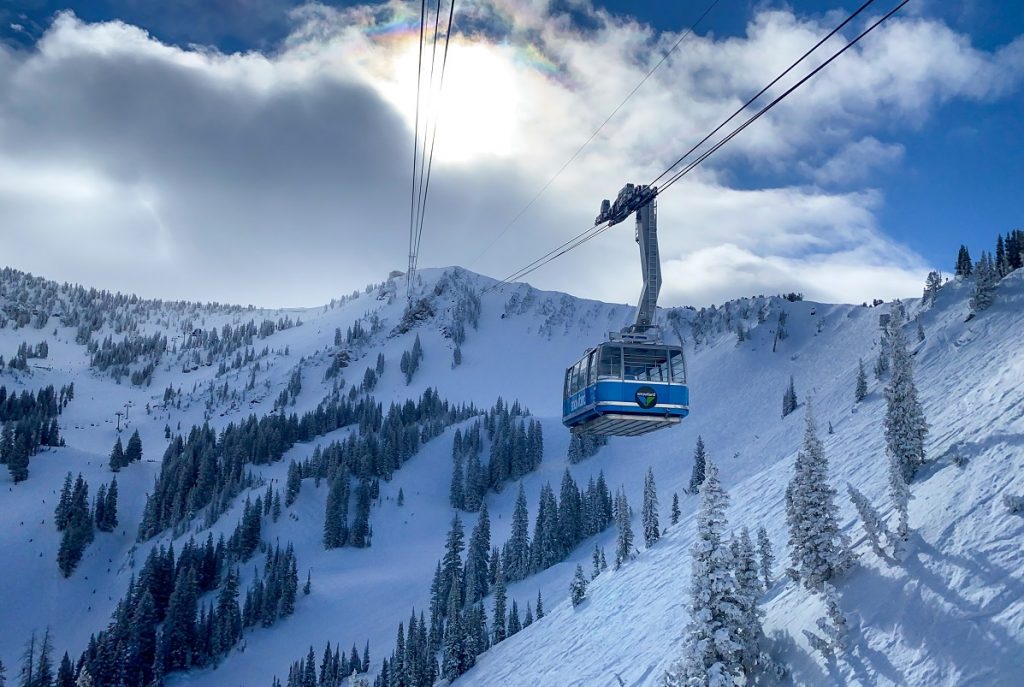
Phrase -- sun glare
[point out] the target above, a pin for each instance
(476, 112)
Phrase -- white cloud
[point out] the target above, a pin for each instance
(175, 172)
(855, 162)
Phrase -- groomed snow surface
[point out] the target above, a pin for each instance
(951, 614)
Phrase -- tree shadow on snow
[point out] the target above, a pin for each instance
(958, 634)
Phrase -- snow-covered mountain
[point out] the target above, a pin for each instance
(951, 613)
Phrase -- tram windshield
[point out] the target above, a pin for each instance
(645, 364)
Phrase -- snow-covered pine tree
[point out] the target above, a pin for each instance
(985, 278)
(596, 560)
(861, 389)
(789, 400)
(899, 492)
(767, 558)
(674, 513)
(624, 526)
(748, 594)
(932, 284)
(714, 648)
(649, 513)
(540, 606)
(578, 586)
(699, 462)
(905, 425)
(818, 549)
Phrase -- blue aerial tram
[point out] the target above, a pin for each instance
(633, 383)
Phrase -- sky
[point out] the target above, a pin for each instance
(260, 151)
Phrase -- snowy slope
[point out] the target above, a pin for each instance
(953, 613)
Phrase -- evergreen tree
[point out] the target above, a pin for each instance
(578, 587)
(475, 485)
(932, 285)
(546, 547)
(674, 518)
(514, 626)
(453, 662)
(963, 263)
(500, 599)
(456, 493)
(451, 564)
(133, 453)
(516, 563)
(65, 673)
(78, 532)
(905, 425)
(293, 483)
(540, 606)
(985, 278)
(227, 625)
(748, 594)
(596, 563)
(63, 510)
(570, 514)
(28, 662)
(818, 549)
(117, 460)
(767, 559)
(699, 462)
(179, 632)
(360, 533)
(336, 516)
(17, 456)
(109, 508)
(861, 390)
(789, 400)
(649, 514)
(100, 508)
(714, 644)
(477, 563)
(899, 492)
(623, 522)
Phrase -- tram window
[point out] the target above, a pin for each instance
(677, 364)
(610, 363)
(568, 383)
(645, 364)
(577, 377)
(592, 368)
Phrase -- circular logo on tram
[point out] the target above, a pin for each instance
(646, 397)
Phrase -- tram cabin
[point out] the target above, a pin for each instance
(626, 389)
